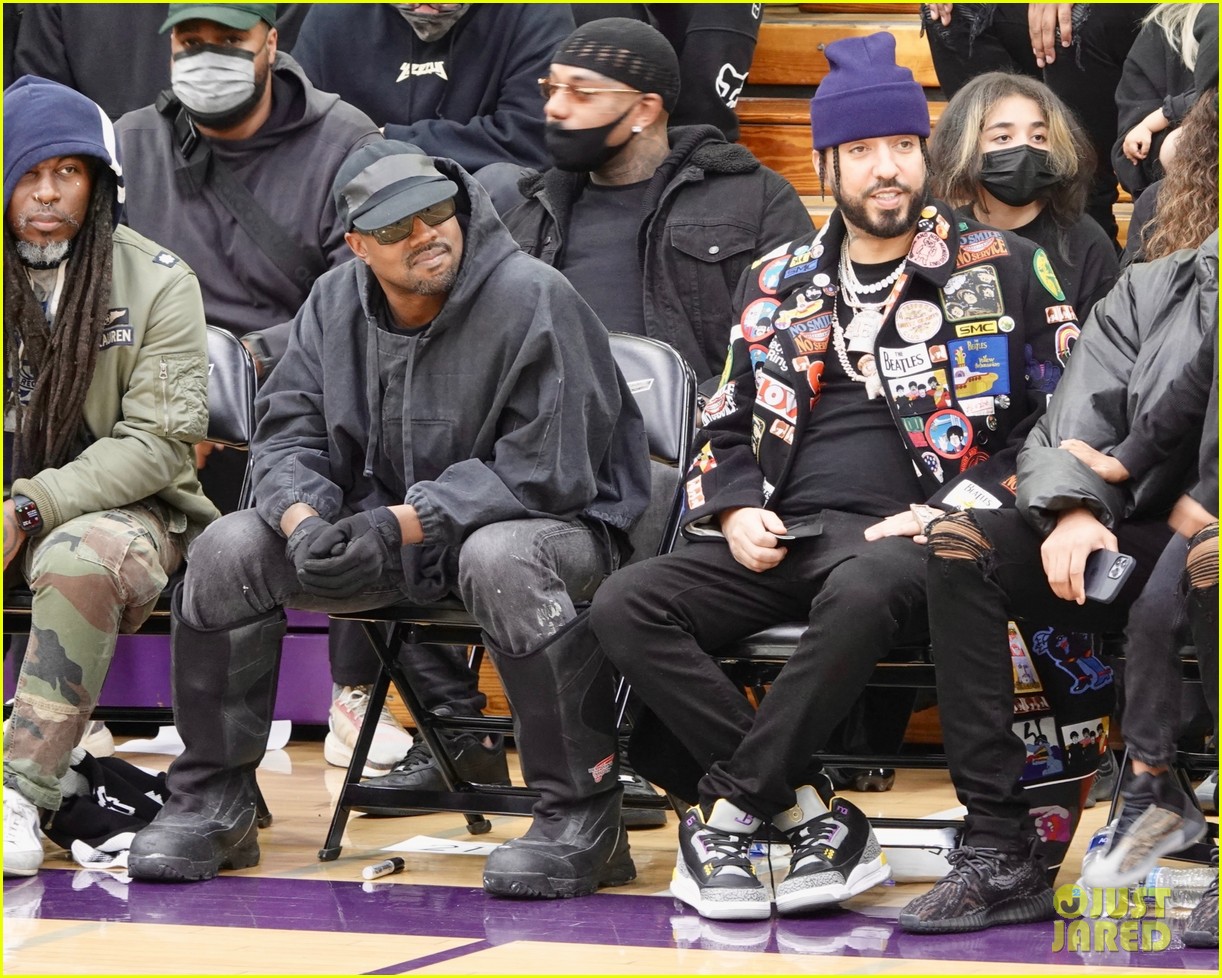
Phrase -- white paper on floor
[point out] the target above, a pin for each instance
(167, 741)
(919, 855)
(442, 847)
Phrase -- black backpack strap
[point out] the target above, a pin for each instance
(300, 264)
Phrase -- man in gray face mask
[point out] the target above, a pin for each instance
(431, 21)
(232, 171)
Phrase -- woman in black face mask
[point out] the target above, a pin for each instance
(1007, 152)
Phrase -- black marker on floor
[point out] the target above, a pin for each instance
(386, 867)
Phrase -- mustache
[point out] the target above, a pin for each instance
(889, 185)
(431, 248)
(23, 221)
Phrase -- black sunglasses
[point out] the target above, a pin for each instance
(432, 216)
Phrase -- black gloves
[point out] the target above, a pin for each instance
(342, 559)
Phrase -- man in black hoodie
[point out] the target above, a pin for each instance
(448, 408)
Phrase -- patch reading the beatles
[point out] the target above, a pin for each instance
(948, 433)
(968, 495)
(928, 250)
(904, 360)
(973, 293)
(980, 367)
(917, 321)
(1047, 277)
(978, 246)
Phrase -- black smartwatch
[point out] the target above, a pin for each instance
(28, 517)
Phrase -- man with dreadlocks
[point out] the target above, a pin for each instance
(105, 386)
(811, 439)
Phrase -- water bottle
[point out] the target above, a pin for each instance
(1096, 846)
(1186, 886)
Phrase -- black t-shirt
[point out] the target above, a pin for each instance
(851, 457)
(600, 254)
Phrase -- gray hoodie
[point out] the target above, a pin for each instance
(288, 166)
(514, 408)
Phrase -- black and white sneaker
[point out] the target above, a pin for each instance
(1158, 818)
(713, 872)
(835, 854)
(984, 887)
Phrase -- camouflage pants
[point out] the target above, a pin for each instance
(93, 578)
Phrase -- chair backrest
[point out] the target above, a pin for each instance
(665, 391)
(231, 390)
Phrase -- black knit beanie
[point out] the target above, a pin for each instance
(628, 51)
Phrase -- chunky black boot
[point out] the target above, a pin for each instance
(224, 692)
(564, 723)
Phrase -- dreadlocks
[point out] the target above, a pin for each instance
(61, 357)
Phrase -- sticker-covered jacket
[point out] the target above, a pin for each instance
(147, 401)
(975, 334)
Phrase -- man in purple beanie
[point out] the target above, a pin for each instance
(811, 441)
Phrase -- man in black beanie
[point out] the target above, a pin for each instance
(810, 440)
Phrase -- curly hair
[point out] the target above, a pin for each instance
(957, 160)
(1186, 212)
(62, 357)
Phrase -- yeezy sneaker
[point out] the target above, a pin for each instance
(1201, 928)
(97, 739)
(713, 872)
(985, 887)
(835, 854)
(475, 762)
(1157, 818)
(390, 742)
(22, 844)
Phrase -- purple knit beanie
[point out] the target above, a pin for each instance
(866, 94)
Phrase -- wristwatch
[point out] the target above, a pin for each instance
(28, 517)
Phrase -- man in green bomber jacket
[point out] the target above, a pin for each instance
(105, 394)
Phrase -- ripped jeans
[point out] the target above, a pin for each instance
(1182, 588)
(520, 578)
(984, 569)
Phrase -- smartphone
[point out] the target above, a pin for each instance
(1105, 574)
(802, 528)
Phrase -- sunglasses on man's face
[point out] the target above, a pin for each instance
(432, 216)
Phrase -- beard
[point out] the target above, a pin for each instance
(439, 284)
(50, 255)
(889, 224)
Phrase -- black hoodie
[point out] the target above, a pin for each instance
(514, 408)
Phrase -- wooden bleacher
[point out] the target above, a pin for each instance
(774, 111)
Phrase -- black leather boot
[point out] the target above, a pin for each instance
(564, 723)
(224, 692)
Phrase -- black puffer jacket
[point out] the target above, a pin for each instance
(711, 208)
(1135, 343)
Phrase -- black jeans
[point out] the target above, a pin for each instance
(1153, 673)
(658, 619)
(970, 603)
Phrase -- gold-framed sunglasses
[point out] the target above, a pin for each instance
(582, 96)
(432, 216)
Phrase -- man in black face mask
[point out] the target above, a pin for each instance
(633, 208)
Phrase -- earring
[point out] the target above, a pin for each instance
(636, 130)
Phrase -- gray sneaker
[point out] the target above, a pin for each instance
(1157, 819)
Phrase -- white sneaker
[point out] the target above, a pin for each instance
(390, 741)
(22, 845)
(97, 739)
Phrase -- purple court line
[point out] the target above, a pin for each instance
(605, 918)
(455, 952)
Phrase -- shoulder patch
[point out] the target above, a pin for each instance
(166, 259)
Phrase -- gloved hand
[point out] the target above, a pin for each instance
(314, 537)
(373, 544)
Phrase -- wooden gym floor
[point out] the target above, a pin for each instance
(296, 915)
